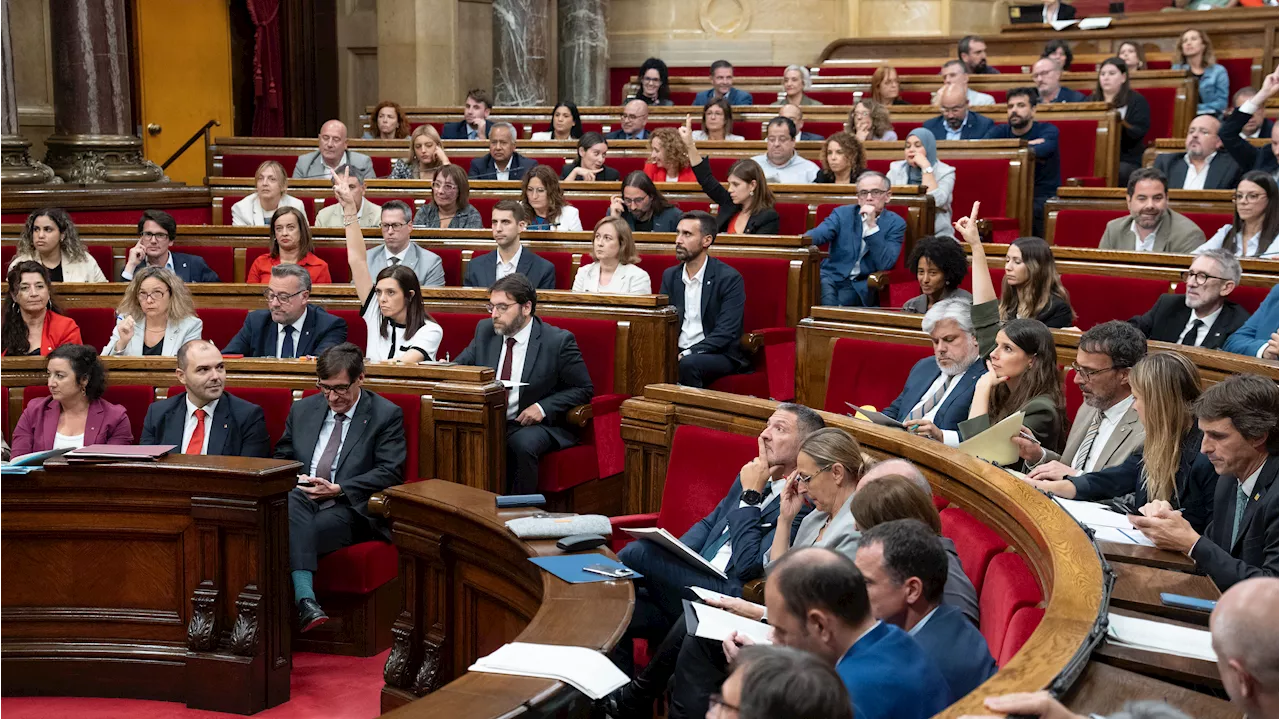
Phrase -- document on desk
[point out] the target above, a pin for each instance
(995, 443)
(1093, 514)
(1061, 25)
(586, 670)
(1121, 535)
(1095, 23)
(667, 541)
(708, 622)
(1160, 637)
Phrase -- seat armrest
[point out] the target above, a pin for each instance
(753, 591)
(629, 521)
(756, 340)
(600, 405)
(1086, 181)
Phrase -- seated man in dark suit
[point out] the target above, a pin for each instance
(1258, 125)
(862, 239)
(1238, 417)
(206, 419)
(1047, 75)
(1203, 317)
(290, 326)
(709, 298)
(351, 445)
(544, 373)
(957, 121)
(156, 232)
(635, 115)
(502, 162)
(1203, 166)
(939, 389)
(510, 257)
(1246, 155)
(475, 124)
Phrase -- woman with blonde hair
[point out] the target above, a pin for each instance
(1170, 467)
(544, 205)
(271, 192)
(614, 270)
(51, 239)
(290, 244)
(158, 300)
(829, 466)
(426, 156)
(1194, 53)
(667, 161)
(885, 88)
(869, 121)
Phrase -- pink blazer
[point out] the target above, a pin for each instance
(107, 424)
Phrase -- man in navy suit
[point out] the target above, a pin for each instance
(863, 239)
(508, 221)
(475, 124)
(635, 115)
(206, 419)
(939, 389)
(1203, 166)
(709, 298)
(957, 122)
(722, 86)
(1246, 155)
(544, 373)
(156, 232)
(502, 162)
(906, 571)
(290, 326)
(1259, 125)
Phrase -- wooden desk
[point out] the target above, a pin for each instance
(1156, 664)
(1138, 588)
(1103, 689)
(469, 589)
(1146, 557)
(165, 581)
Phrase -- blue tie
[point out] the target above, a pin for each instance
(286, 351)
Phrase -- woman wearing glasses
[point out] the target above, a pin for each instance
(643, 206)
(399, 328)
(828, 469)
(159, 301)
(290, 244)
(74, 414)
(449, 208)
(1254, 229)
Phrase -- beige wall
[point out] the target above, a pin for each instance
(32, 70)
(430, 52)
(357, 60)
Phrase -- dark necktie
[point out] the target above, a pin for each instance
(393, 261)
(713, 547)
(324, 468)
(1189, 339)
(1242, 503)
(929, 402)
(286, 349)
(507, 359)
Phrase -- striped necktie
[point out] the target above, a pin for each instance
(930, 402)
(1242, 503)
(1082, 454)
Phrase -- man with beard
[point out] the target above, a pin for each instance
(1151, 225)
(972, 51)
(1107, 429)
(206, 419)
(956, 121)
(709, 298)
(1042, 139)
(939, 389)
(1202, 166)
(1203, 317)
(1047, 75)
(291, 326)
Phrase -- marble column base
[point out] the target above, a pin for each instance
(16, 165)
(91, 159)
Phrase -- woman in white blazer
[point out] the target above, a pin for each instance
(50, 238)
(921, 167)
(544, 204)
(270, 195)
(155, 318)
(614, 272)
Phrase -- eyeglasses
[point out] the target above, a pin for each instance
(162, 236)
(393, 226)
(635, 201)
(328, 389)
(717, 700)
(156, 295)
(629, 116)
(805, 479)
(871, 194)
(651, 80)
(501, 307)
(1199, 277)
(1248, 197)
(443, 186)
(1089, 374)
(280, 296)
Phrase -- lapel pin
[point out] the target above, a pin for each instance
(1256, 497)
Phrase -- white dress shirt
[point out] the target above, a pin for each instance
(1141, 245)
(1111, 417)
(1195, 179)
(950, 437)
(1203, 330)
(127, 273)
(503, 173)
(517, 368)
(796, 171)
(721, 560)
(923, 621)
(867, 231)
(691, 332)
(377, 348)
(1248, 248)
(297, 334)
(326, 429)
(189, 426)
(507, 268)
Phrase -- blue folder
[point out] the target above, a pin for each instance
(569, 567)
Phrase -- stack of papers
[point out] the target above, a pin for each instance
(119, 452)
(586, 670)
(995, 443)
(716, 624)
(664, 539)
(1107, 526)
(1160, 637)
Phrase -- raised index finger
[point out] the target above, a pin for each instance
(688, 121)
(760, 443)
(973, 216)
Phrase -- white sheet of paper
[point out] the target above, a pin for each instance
(705, 594)
(1061, 25)
(1095, 23)
(663, 538)
(717, 624)
(1119, 535)
(1093, 514)
(509, 384)
(995, 443)
(1161, 637)
(586, 670)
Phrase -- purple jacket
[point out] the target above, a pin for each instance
(107, 424)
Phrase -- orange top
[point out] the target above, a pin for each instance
(260, 270)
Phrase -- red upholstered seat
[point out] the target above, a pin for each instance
(985, 180)
(1162, 101)
(565, 269)
(1098, 298)
(867, 372)
(101, 255)
(940, 502)
(826, 129)
(1074, 396)
(451, 259)
(245, 165)
(1239, 71)
(227, 202)
(774, 367)
(915, 97)
(555, 162)
(220, 259)
(275, 403)
(686, 98)
(976, 544)
(625, 165)
(791, 217)
(828, 97)
(358, 569)
(221, 323)
(1081, 137)
(720, 166)
(411, 406)
(336, 258)
(7, 253)
(96, 324)
(1209, 222)
(591, 212)
(356, 332)
(1021, 627)
(1247, 297)
(1082, 228)
(692, 205)
(134, 398)
(655, 265)
(459, 328)
(1009, 586)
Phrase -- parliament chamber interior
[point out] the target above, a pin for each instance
(521, 358)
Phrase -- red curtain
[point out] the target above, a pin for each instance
(268, 111)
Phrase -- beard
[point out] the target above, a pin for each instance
(958, 367)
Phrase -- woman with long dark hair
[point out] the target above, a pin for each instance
(290, 244)
(33, 322)
(566, 124)
(643, 206)
(1254, 230)
(74, 414)
(747, 206)
(545, 207)
(717, 123)
(1032, 288)
(593, 148)
(843, 159)
(50, 238)
(1135, 114)
(389, 122)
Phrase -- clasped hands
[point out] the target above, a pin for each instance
(318, 488)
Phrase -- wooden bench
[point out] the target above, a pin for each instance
(1078, 216)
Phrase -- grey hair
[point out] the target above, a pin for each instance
(283, 270)
(344, 167)
(807, 420)
(805, 78)
(508, 126)
(952, 308)
(1227, 261)
(400, 205)
(884, 179)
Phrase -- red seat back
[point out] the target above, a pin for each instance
(1249, 298)
(765, 282)
(134, 398)
(700, 469)
(1082, 228)
(221, 323)
(1209, 222)
(1098, 298)
(655, 265)
(1239, 71)
(1074, 396)
(1162, 101)
(459, 328)
(246, 165)
(96, 324)
(565, 269)
(720, 166)
(982, 179)
(1009, 586)
(791, 217)
(915, 97)
(625, 165)
(866, 372)
(976, 544)
(274, 401)
(591, 212)
(1021, 627)
(1082, 137)
(484, 205)
(597, 340)
(336, 258)
(101, 255)
(451, 261)
(356, 332)
(411, 405)
(220, 259)
(7, 253)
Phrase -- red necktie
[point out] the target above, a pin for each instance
(506, 360)
(196, 444)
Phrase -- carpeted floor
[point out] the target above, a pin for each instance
(322, 686)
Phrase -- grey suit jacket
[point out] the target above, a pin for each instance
(425, 263)
(176, 334)
(842, 536)
(311, 166)
(1175, 234)
(1127, 438)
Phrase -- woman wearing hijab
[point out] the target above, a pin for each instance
(921, 167)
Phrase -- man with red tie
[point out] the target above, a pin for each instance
(206, 419)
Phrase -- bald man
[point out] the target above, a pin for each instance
(957, 121)
(333, 153)
(635, 115)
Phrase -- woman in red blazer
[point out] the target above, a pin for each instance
(30, 313)
(74, 414)
(667, 159)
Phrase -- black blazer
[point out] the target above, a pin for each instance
(372, 456)
(458, 130)
(763, 222)
(606, 173)
(1165, 321)
(1133, 129)
(555, 376)
(484, 168)
(1254, 554)
(1057, 315)
(482, 271)
(723, 302)
(257, 337)
(1034, 14)
(1243, 151)
(191, 268)
(239, 428)
(1224, 173)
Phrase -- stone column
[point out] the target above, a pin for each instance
(92, 138)
(16, 165)
(521, 42)
(584, 52)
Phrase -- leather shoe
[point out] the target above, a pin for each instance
(310, 615)
(624, 703)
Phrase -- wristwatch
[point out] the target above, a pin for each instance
(752, 497)
(928, 170)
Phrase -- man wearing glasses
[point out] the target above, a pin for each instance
(370, 213)
(864, 239)
(780, 161)
(635, 115)
(156, 232)
(1203, 317)
(290, 326)
(351, 445)
(398, 249)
